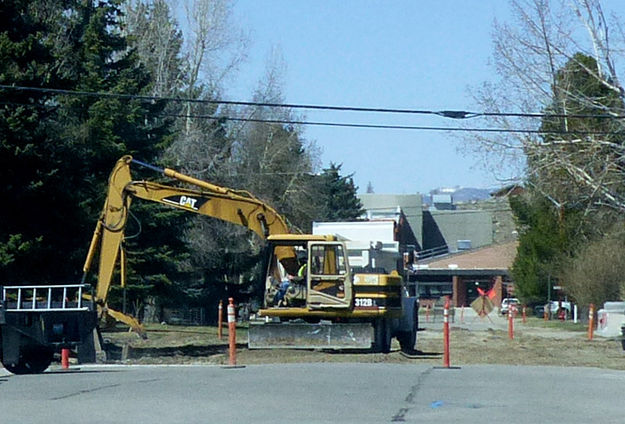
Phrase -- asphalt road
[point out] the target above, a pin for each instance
(314, 393)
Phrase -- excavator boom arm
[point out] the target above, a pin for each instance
(236, 206)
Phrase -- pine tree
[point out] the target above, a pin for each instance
(31, 150)
(106, 127)
(56, 151)
(339, 195)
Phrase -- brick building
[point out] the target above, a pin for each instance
(460, 275)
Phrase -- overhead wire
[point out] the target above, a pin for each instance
(353, 125)
(452, 114)
(387, 126)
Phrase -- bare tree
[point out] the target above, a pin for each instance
(576, 158)
(154, 33)
(274, 159)
(596, 273)
(214, 45)
(213, 49)
(271, 160)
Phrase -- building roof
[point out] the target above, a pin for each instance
(493, 257)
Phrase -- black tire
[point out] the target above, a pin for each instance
(32, 360)
(85, 351)
(382, 336)
(408, 339)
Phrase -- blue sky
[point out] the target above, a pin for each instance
(387, 54)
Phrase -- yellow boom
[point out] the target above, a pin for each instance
(236, 206)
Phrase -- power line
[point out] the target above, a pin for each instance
(453, 114)
(383, 126)
(349, 124)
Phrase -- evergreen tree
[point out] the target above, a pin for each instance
(58, 149)
(540, 246)
(339, 197)
(35, 211)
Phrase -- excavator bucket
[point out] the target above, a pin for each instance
(128, 320)
(289, 335)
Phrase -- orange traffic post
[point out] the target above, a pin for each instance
(65, 358)
(220, 320)
(546, 312)
(446, 334)
(462, 314)
(232, 333)
(511, 322)
(524, 315)
(591, 321)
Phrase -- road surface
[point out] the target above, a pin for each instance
(314, 393)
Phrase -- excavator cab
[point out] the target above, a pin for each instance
(329, 280)
(317, 304)
(323, 283)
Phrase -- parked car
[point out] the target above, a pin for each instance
(507, 303)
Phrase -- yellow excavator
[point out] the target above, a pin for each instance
(237, 206)
(313, 298)
(329, 305)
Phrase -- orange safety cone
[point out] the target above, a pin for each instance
(232, 333)
(446, 334)
(65, 358)
(511, 322)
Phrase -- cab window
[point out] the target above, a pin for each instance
(327, 259)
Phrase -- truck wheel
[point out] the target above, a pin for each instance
(33, 360)
(86, 350)
(382, 336)
(408, 339)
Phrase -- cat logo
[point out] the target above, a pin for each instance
(188, 202)
(185, 202)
